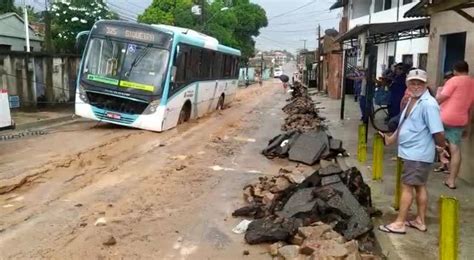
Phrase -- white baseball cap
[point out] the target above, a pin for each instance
(417, 74)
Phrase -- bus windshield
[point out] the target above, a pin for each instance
(125, 66)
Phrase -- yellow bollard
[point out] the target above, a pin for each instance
(377, 162)
(398, 187)
(448, 228)
(362, 145)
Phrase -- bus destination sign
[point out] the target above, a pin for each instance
(129, 33)
(133, 34)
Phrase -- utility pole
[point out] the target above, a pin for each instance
(27, 27)
(304, 44)
(320, 67)
(261, 65)
(49, 50)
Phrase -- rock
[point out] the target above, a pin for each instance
(268, 198)
(370, 257)
(354, 256)
(246, 252)
(297, 240)
(181, 167)
(326, 248)
(274, 248)
(352, 246)
(78, 205)
(247, 211)
(258, 190)
(306, 250)
(313, 232)
(295, 177)
(248, 197)
(109, 241)
(333, 235)
(300, 202)
(331, 169)
(266, 231)
(281, 184)
(289, 252)
(308, 148)
(100, 222)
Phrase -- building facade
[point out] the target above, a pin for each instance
(12, 34)
(413, 51)
(451, 39)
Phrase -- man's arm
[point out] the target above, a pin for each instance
(441, 98)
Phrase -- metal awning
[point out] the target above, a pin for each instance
(388, 32)
(338, 4)
(425, 8)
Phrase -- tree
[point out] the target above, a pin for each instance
(171, 12)
(7, 6)
(71, 17)
(234, 26)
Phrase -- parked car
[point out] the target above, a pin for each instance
(277, 73)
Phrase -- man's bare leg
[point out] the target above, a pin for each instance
(422, 205)
(455, 165)
(405, 204)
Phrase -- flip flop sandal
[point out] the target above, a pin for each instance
(410, 224)
(450, 187)
(440, 169)
(386, 229)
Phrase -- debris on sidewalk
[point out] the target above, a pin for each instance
(308, 148)
(302, 112)
(328, 210)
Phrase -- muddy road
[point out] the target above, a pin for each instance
(99, 191)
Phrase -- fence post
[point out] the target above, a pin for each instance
(448, 228)
(398, 187)
(362, 144)
(377, 162)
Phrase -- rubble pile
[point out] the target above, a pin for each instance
(302, 112)
(325, 214)
(307, 148)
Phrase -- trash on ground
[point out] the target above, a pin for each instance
(242, 226)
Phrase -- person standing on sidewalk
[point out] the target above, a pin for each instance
(456, 100)
(419, 134)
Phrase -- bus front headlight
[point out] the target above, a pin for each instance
(152, 107)
(83, 94)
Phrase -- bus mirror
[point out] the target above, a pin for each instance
(173, 73)
(81, 40)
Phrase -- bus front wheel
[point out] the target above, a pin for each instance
(220, 103)
(185, 114)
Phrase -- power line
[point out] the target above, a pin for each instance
(306, 21)
(293, 10)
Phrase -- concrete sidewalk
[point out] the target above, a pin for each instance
(413, 245)
(39, 119)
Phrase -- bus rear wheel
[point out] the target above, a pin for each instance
(185, 114)
(220, 103)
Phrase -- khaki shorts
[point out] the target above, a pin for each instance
(415, 173)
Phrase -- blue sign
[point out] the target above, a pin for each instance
(14, 101)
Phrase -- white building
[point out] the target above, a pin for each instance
(360, 12)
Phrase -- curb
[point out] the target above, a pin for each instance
(43, 123)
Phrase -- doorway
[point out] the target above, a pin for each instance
(454, 50)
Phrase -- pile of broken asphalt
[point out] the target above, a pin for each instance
(322, 215)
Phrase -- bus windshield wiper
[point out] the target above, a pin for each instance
(138, 59)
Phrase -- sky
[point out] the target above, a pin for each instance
(290, 22)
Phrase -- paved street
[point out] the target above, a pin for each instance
(169, 194)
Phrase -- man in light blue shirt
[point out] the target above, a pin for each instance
(419, 131)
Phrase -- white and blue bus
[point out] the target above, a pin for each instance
(153, 77)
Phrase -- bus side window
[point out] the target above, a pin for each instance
(181, 68)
